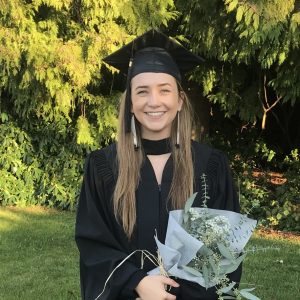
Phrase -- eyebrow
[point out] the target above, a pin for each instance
(146, 86)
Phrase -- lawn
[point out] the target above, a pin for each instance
(39, 258)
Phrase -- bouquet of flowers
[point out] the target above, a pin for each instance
(203, 245)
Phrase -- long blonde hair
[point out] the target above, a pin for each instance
(130, 162)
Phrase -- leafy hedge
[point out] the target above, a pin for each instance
(39, 166)
(44, 165)
(273, 204)
(56, 103)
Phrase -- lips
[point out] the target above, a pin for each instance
(155, 113)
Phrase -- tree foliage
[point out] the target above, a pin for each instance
(51, 50)
(252, 50)
(52, 92)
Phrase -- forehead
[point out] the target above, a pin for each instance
(152, 79)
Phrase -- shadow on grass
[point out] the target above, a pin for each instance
(39, 258)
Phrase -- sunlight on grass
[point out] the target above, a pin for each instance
(39, 258)
(8, 219)
(38, 254)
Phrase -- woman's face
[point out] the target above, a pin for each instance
(155, 102)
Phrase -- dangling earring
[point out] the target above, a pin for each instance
(133, 131)
(177, 135)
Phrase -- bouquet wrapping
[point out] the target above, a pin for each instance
(202, 244)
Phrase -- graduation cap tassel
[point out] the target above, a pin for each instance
(128, 99)
(177, 135)
(129, 117)
(133, 130)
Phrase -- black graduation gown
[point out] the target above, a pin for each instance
(102, 242)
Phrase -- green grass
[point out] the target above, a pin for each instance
(39, 259)
(38, 255)
(275, 273)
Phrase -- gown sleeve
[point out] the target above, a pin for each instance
(223, 195)
(101, 242)
(221, 184)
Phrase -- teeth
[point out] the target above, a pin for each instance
(159, 113)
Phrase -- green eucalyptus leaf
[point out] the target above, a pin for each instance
(248, 290)
(228, 288)
(231, 293)
(212, 264)
(205, 251)
(233, 266)
(225, 251)
(185, 217)
(248, 295)
(189, 202)
(205, 276)
(192, 271)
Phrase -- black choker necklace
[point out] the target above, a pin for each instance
(156, 147)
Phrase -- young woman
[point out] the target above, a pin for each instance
(130, 186)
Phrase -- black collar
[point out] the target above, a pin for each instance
(156, 147)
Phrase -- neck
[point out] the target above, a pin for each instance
(156, 147)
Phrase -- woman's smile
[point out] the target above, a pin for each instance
(155, 103)
(155, 114)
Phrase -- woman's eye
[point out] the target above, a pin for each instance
(165, 91)
(142, 92)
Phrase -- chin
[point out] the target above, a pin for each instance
(156, 134)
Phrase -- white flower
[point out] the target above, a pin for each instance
(194, 214)
(218, 226)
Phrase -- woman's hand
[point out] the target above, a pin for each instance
(152, 287)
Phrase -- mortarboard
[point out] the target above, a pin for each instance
(151, 52)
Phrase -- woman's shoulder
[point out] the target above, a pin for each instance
(209, 158)
(202, 149)
(103, 161)
(105, 152)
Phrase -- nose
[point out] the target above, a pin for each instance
(153, 99)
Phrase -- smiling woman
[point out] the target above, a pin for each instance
(130, 186)
(155, 103)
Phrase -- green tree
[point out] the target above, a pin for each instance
(52, 91)
(252, 50)
(252, 70)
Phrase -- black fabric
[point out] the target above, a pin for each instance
(101, 240)
(158, 147)
(155, 60)
(166, 56)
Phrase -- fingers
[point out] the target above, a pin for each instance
(170, 297)
(154, 287)
(169, 281)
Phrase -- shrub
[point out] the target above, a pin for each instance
(41, 166)
(273, 204)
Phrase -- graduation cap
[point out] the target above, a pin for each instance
(151, 52)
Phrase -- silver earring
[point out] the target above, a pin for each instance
(177, 136)
(133, 131)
